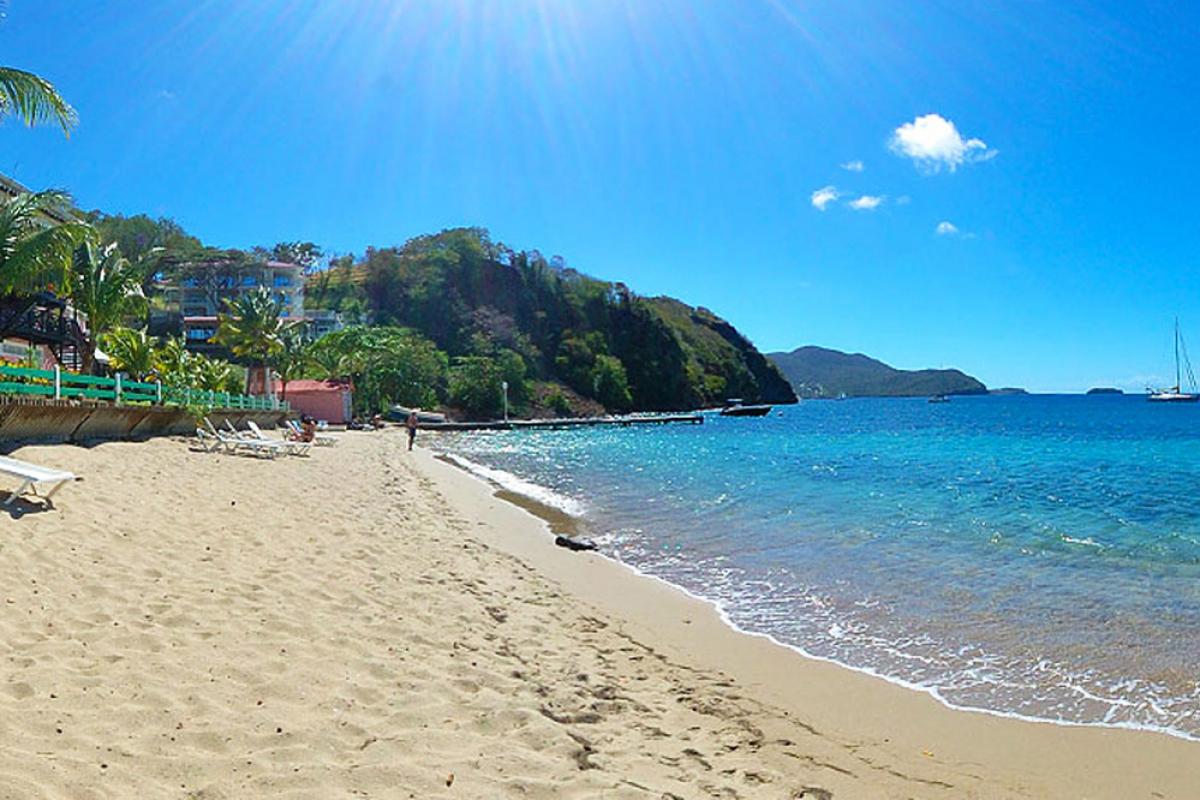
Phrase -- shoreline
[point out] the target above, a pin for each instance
(559, 521)
(367, 621)
(697, 628)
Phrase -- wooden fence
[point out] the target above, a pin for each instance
(59, 384)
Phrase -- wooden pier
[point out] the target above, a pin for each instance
(576, 422)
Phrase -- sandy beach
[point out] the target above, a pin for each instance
(368, 622)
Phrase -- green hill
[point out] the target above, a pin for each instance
(820, 372)
(474, 297)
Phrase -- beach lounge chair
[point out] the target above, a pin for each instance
(30, 476)
(209, 442)
(295, 446)
(256, 447)
(235, 443)
(256, 437)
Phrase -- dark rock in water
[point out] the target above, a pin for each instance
(574, 544)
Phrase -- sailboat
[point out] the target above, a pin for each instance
(1175, 394)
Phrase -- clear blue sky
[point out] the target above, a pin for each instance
(681, 146)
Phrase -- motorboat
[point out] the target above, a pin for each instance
(734, 407)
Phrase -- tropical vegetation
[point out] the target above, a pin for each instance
(385, 364)
(253, 329)
(144, 358)
(35, 254)
(102, 264)
(594, 340)
(33, 100)
(107, 288)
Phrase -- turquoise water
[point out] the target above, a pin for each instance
(1030, 555)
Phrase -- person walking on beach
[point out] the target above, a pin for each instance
(411, 424)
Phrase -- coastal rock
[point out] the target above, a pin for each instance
(574, 544)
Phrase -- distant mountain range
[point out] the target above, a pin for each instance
(821, 372)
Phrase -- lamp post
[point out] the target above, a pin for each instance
(504, 386)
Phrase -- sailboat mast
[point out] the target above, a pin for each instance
(1178, 382)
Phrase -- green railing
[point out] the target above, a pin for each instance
(62, 385)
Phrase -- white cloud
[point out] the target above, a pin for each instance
(945, 228)
(853, 166)
(933, 142)
(903, 200)
(824, 196)
(867, 202)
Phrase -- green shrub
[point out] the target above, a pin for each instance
(475, 386)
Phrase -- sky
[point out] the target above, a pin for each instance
(1005, 188)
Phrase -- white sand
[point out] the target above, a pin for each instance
(372, 623)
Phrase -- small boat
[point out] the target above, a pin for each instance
(939, 398)
(734, 407)
(1175, 394)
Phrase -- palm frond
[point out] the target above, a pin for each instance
(34, 100)
(251, 327)
(40, 260)
(105, 286)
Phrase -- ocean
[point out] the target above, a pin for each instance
(1036, 556)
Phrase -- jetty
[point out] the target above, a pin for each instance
(567, 422)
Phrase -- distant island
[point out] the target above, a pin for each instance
(821, 372)
(1104, 390)
(1006, 390)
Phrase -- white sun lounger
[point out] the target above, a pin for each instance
(209, 442)
(295, 447)
(255, 446)
(233, 443)
(30, 476)
(256, 437)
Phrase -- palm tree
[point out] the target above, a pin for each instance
(252, 330)
(214, 374)
(34, 100)
(34, 253)
(292, 358)
(328, 362)
(105, 287)
(131, 351)
(173, 363)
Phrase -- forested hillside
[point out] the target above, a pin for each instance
(478, 299)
